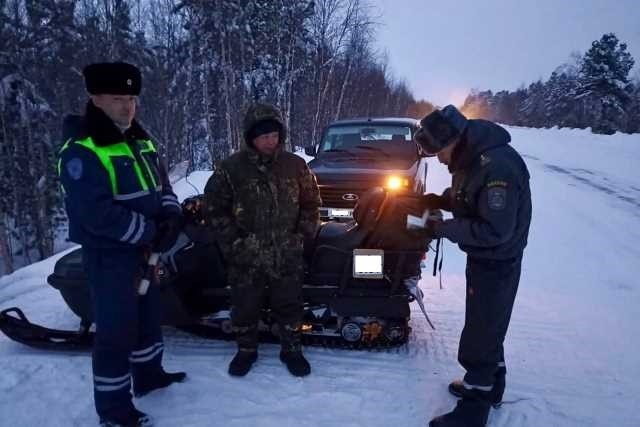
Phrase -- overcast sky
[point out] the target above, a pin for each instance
(443, 48)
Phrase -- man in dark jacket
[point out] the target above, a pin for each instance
(490, 201)
(119, 203)
(262, 202)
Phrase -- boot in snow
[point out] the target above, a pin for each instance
(296, 363)
(467, 413)
(242, 361)
(130, 418)
(458, 389)
(165, 379)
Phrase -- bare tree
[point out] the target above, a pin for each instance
(331, 27)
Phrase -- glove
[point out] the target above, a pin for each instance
(429, 230)
(167, 233)
(432, 201)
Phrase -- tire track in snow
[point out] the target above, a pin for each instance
(538, 374)
(622, 192)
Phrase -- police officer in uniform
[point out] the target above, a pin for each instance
(120, 205)
(262, 202)
(490, 201)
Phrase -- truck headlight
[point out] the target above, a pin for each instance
(395, 182)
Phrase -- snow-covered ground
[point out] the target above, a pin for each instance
(571, 349)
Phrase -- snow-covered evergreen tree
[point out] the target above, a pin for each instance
(605, 67)
(560, 91)
(602, 85)
(31, 203)
(533, 108)
(633, 112)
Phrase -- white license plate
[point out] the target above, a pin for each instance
(368, 263)
(340, 213)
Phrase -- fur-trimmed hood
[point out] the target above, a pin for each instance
(259, 112)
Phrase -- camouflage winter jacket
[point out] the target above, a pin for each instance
(262, 207)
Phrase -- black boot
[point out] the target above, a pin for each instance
(499, 386)
(129, 418)
(164, 379)
(458, 389)
(242, 361)
(296, 363)
(467, 413)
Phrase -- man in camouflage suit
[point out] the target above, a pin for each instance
(262, 202)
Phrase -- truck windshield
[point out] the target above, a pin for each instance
(351, 138)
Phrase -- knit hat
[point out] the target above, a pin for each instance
(262, 128)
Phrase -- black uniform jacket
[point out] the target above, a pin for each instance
(489, 197)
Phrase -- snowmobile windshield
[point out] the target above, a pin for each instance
(391, 144)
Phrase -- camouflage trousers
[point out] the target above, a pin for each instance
(252, 289)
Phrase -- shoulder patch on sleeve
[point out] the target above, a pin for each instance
(497, 198)
(74, 168)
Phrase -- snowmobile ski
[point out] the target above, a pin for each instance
(16, 326)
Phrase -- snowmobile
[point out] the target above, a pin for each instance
(359, 279)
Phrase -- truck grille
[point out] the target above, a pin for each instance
(333, 196)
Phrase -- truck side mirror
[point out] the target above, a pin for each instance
(310, 151)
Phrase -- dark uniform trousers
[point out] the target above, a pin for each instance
(491, 291)
(128, 342)
(252, 287)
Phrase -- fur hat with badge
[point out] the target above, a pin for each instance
(113, 78)
(440, 128)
